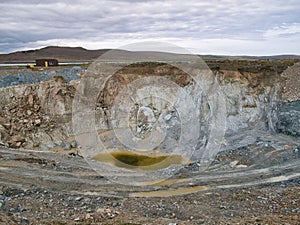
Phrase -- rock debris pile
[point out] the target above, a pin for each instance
(37, 116)
(33, 77)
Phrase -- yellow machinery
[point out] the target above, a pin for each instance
(33, 67)
(30, 66)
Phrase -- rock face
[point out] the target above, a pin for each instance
(291, 83)
(258, 96)
(36, 115)
(288, 112)
(253, 95)
(288, 116)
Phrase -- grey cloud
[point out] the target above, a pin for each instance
(24, 23)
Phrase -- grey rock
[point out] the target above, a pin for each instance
(12, 210)
(78, 198)
(67, 146)
(24, 220)
(288, 115)
(73, 144)
(68, 74)
(21, 209)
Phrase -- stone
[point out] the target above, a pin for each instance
(107, 210)
(18, 144)
(168, 117)
(36, 144)
(73, 144)
(36, 107)
(100, 210)
(17, 138)
(78, 198)
(12, 210)
(2, 128)
(88, 216)
(67, 146)
(2, 120)
(233, 163)
(21, 209)
(37, 122)
(241, 166)
(16, 141)
(30, 100)
(24, 220)
(3, 134)
(6, 125)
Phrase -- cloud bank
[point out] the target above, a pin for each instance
(232, 27)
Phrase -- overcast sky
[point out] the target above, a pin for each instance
(231, 27)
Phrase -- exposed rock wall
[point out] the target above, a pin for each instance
(36, 115)
(258, 97)
(288, 116)
(288, 113)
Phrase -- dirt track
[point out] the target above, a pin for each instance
(241, 186)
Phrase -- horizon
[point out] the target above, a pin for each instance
(200, 54)
(218, 27)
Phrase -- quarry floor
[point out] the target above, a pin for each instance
(240, 187)
(264, 204)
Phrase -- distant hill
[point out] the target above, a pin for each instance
(271, 57)
(245, 57)
(76, 54)
(63, 54)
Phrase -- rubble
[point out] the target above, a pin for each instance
(29, 116)
(32, 77)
